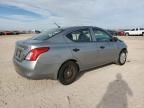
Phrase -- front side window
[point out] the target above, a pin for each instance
(141, 28)
(80, 36)
(101, 36)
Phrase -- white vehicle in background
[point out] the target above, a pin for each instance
(136, 31)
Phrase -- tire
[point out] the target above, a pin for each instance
(122, 57)
(68, 73)
(142, 34)
(127, 34)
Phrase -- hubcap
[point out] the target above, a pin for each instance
(68, 73)
(123, 57)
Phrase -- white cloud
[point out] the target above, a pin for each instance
(103, 13)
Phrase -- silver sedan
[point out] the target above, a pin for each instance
(63, 52)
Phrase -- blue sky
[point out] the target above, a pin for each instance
(8, 12)
(41, 14)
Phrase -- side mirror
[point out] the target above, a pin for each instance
(115, 39)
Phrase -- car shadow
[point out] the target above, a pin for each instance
(116, 94)
(81, 73)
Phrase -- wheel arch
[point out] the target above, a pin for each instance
(124, 49)
(127, 33)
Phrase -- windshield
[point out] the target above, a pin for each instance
(47, 34)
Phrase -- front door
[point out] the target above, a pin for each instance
(106, 47)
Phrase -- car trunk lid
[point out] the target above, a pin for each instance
(24, 47)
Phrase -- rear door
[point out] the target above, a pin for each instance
(105, 46)
(83, 48)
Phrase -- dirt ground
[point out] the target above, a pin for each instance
(111, 86)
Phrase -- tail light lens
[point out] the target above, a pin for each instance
(34, 53)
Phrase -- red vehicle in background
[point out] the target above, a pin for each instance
(7, 33)
(121, 33)
(117, 32)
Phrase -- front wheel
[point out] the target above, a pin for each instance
(122, 57)
(68, 72)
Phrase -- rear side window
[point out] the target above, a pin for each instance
(80, 36)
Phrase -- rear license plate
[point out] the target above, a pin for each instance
(19, 54)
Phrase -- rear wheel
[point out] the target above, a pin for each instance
(127, 34)
(142, 34)
(68, 72)
(122, 57)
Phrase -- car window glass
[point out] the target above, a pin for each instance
(141, 28)
(101, 36)
(133, 30)
(47, 34)
(80, 36)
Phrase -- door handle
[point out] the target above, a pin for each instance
(102, 47)
(76, 49)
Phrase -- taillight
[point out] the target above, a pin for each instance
(34, 53)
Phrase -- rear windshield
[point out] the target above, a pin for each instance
(47, 34)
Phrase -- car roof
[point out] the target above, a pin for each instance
(73, 28)
(78, 27)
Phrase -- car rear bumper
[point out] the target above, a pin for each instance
(24, 69)
(32, 71)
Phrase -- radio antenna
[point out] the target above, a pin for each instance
(57, 25)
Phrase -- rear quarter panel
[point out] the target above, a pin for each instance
(51, 61)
